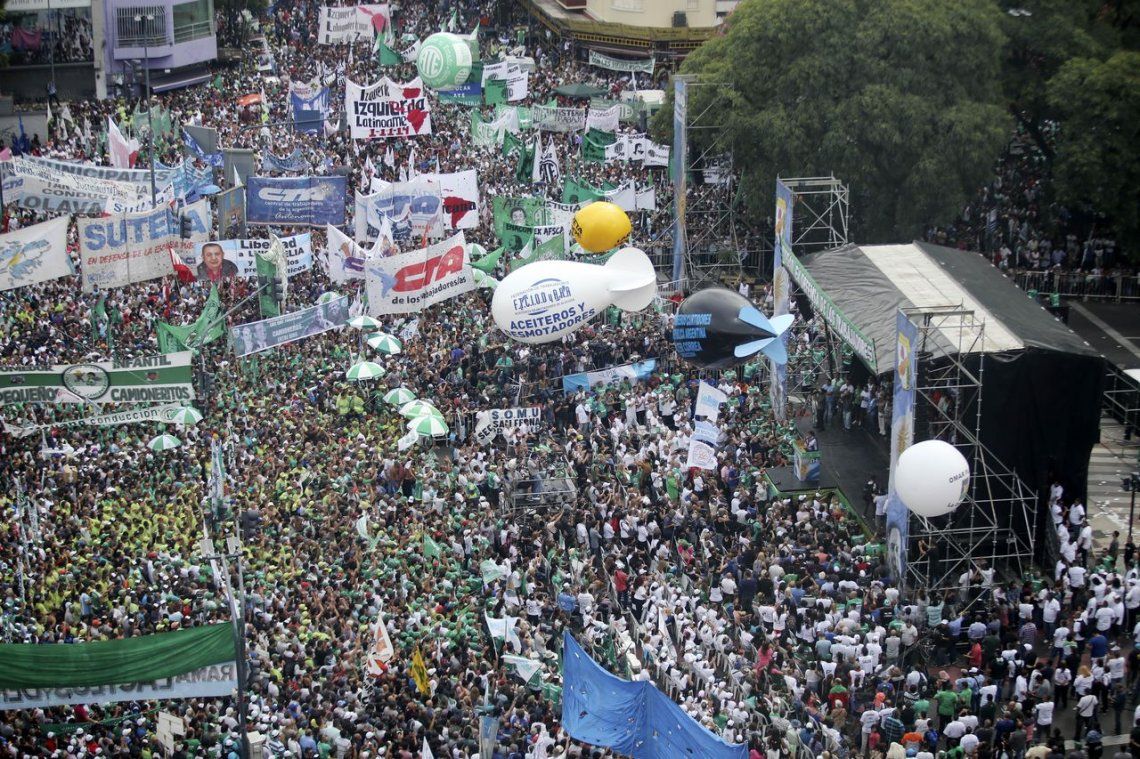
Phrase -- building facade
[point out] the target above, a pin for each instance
(175, 39)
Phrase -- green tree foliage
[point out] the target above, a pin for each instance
(1097, 165)
(902, 99)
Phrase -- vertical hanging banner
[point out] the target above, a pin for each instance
(314, 201)
(348, 24)
(409, 282)
(306, 100)
(387, 109)
(120, 250)
(902, 436)
(231, 213)
(680, 159)
(781, 285)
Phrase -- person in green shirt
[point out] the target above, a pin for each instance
(947, 701)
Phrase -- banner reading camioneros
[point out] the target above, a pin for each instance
(120, 250)
(387, 109)
(34, 254)
(411, 281)
(604, 61)
(314, 201)
(243, 255)
(287, 328)
(164, 378)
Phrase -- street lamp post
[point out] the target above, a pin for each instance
(149, 18)
(1131, 483)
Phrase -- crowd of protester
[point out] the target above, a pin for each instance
(772, 618)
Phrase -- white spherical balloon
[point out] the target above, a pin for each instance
(932, 478)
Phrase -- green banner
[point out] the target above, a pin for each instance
(594, 144)
(495, 92)
(522, 212)
(114, 662)
(147, 379)
(576, 191)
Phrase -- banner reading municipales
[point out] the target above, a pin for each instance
(902, 436)
(353, 22)
(119, 250)
(411, 281)
(604, 61)
(165, 378)
(204, 260)
(197, 662)
(781, 288)
(314, 201)
(255, 337)
(34, 254)
(387, 109)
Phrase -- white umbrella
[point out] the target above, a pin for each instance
(186, 415)
(428, 426)
(364, 322)
(384, 343)
(419, 408)
(399, 396)
(365, 370)
(164, 443)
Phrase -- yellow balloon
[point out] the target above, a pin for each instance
(600, 226)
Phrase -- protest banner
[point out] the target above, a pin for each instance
(350, 23)
(492, 422)
(512, 74)
(387, 109)
(601, 60)
(163, 378)
(314, 201)
(411, 281)
(414, 205)
(258, 336)
(120, 250)
(34, 254)
(552, 119)
(603, 120)
(243, 255)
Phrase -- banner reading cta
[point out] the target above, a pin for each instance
(411, 281)
(120, 250)
(165, 378)
(314, 201)
(287, 328)
(387, 109)
(219, 259)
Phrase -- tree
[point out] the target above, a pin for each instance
(899, 98)
(1097, 165)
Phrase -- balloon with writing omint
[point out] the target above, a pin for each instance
(718, 328)
(546, 300)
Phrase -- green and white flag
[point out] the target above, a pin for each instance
(432, 550)
(527, 669)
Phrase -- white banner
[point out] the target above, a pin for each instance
(410, 281)
(120, 250)
(701, 456)
(35, 254)
(344, 258)
(163, 414)
(414, 209)
(48, 197)
(164, 197)
(709, 399)
(604, 61)
(513, 73)
(407, 441)
(647, 199)
(459, 193)
(625, 197)
(350, 23)
(558, 119)
(89, 186)
(213, 681)
(220, 259)
(606, 121)
(490, 423)
(382, 649)
(387, 109)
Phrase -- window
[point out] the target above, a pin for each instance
(193, 20)
(150, 29)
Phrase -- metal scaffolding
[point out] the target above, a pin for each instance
(996, 522)
(820, 213)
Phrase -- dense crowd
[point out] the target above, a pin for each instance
(773, 620)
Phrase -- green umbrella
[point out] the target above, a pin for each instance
(365, 370)
(164, 443)
(364, 322)
(328, 297)
(399, 396)
(419, 408)
(428, 426)
(186, 415)
(384, 343)
(580, 90)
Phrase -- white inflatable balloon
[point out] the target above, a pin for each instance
(932, 478)
(546, 300)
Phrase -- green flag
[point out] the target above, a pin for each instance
(99, 317)
(488, 262)
(521, 211)
(208, 327)
(525, 166)
(386, 56)
(271, 267)
(576, 191)
(495, 91)
(594, 144)
(432, 550)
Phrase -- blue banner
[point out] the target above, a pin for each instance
(638, 372)
(680, 158)
(309, 113)
(213, 159)
(469, 93)
(902, 436)
(781, 287)
(295, 162)
(315, 201)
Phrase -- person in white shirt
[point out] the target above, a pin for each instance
(1043, 713)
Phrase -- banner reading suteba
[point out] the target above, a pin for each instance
(120, 250)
